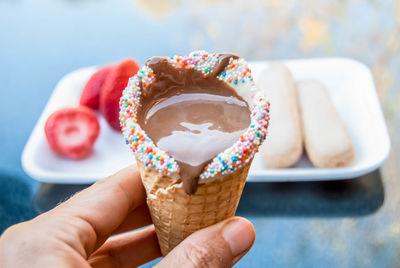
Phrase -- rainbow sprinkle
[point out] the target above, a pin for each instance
(237, 73)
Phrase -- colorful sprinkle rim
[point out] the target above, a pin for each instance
(241, 152)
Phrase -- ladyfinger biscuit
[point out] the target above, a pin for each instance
(283, 147)
(327, 141)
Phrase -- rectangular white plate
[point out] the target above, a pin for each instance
(351, 87)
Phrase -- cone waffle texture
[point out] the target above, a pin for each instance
(176, 214)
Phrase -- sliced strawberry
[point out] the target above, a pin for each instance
(90, 96)
(71, 132)
(112, 89)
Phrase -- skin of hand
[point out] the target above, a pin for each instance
(91, 230)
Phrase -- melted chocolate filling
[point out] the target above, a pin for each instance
(192, 117)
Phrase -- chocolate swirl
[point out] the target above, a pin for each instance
(191, 116)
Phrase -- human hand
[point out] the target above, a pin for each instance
(77, 233)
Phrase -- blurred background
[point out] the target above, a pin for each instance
(353, 223)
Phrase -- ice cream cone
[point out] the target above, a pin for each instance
(183, 195)
(176, 214)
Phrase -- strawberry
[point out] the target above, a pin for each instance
(112, 89)
(71, 132)
(90, 96)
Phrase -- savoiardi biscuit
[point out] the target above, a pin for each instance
(326, 138)
(284, 147)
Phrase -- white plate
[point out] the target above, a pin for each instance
(351, 87)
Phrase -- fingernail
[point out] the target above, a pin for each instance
(239, 234)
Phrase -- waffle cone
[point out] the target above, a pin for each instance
(176, 214)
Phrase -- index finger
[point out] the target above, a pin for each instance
(105, 204)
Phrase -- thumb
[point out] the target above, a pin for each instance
(220, 245)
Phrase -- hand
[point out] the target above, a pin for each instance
(77, 233)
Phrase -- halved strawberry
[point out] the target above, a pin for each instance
(90, 96)
(112, 89)
(71, 132)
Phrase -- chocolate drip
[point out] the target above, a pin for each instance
(191, 177)
(191, 117)
(140, 84)
(223, 61)
(157, 63)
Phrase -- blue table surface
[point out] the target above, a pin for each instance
(349, 223)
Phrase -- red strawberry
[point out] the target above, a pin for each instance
(112, 89)
(90, 96)
(71, 132)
